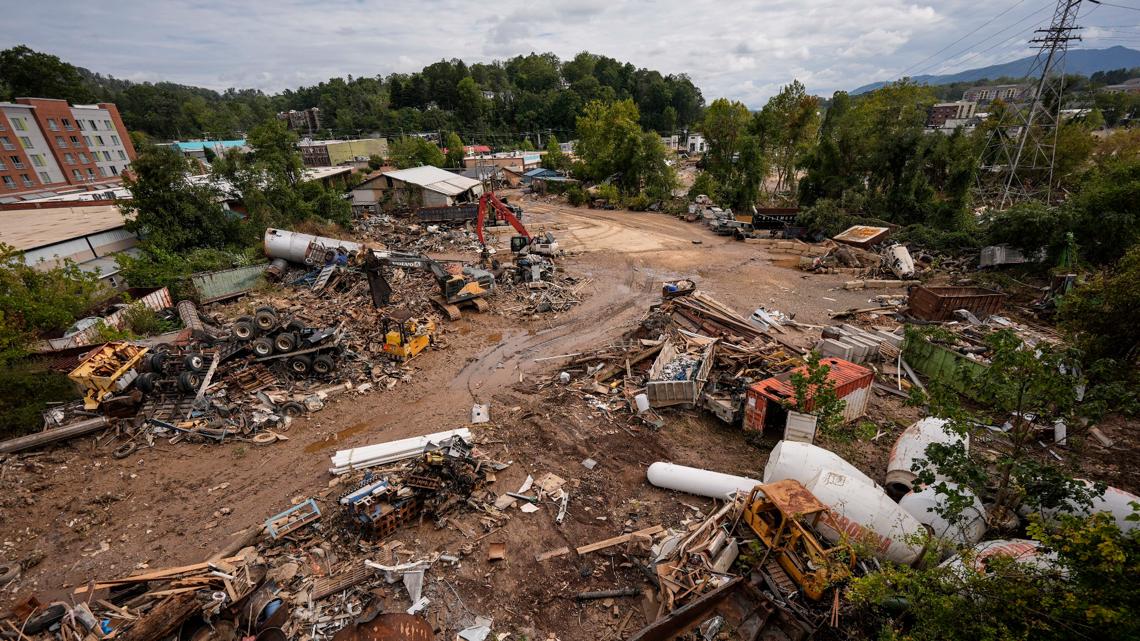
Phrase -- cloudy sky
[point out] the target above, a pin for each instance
(744, 50)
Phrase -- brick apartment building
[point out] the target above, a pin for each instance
(46, 144)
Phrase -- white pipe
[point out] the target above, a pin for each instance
(865, 513)
(967, 529)
(911, 446)
(693, 480)
(803, 461)
(382, 453)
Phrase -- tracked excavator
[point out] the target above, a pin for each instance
(459, 285)
(524, 243)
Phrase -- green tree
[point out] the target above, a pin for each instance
(24, 72)
(455, 152)
(554, 158)
(168, 210)
(612, 144)
(788, 125)
(470, 103)
(412, 151)
(1100, 314)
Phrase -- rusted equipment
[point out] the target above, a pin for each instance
(394, 626)
(749, 615)
(765, 399)
(784, 514)
(939, 303)
(106, 371)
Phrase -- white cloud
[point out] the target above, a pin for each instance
(743, 50)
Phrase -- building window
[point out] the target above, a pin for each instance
(74, 141)
(83, 158)
(82, 127)
(114, 170)
(75, 173)
(6, 142)
(52, 124)
(27, 180)
(87, 139)
(16, 162)
(37, 160)
(67, 125)
(69, 159)
(106, 155)
(94, 125)
(26, 142)
(90, 172)
(3, 127)
(115, 141)
(9, 183)
(18, 123)
(122, 155)
(107, 125)
(45, 178)
(103, 172)
(99, 140)
(60, 142)
(3, 167)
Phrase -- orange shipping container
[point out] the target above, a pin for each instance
(763, 400)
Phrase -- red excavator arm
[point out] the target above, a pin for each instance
(502, 211)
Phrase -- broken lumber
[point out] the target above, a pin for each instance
(51, 436)
(157, 575)
(164, 619)
(542, 556)
(614, 370)
(618, 540)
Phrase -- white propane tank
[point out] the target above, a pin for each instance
(294, 247)
(1115, 501)
(900, 262)
(693, 480)
(968, 529)
(1020, 550)
(803, 461)
(911, 446)
(865, 513)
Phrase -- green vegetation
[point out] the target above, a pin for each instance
(612, 146)
(815, 390)
(1089, 593)
(455, 153)
(498, 99)
(554, 158)
(412, 151)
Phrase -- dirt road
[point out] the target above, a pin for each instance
(74, 513)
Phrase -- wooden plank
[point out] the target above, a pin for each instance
(618, 540)
(552, 553)
(157, 575)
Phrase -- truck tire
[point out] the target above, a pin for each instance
(285, 342)
(292, 409)
(195, 362)
(262, 347)
(300, 365)
(145, 382)
(323, 365)
(266, 319)
(156, 362)
(245, 328)
(188, 382)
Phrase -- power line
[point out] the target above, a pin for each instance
(1016, 23)
(1118, 6)
(972, 32)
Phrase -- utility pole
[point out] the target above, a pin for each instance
(1021, 153)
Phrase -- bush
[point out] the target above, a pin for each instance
(936, 239)
(826, 216)
(156, 267)
(640, 202)
(27, 391)
(577, 196)
(1100, 315)
(608, 192)
(708, 185)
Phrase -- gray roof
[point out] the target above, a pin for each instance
(434, 179)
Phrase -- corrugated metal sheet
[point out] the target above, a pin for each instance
(157, 300)
(227, 283)
(852, 384)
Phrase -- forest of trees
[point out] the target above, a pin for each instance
(488, 103)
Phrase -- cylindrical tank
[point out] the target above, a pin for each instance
(294, 247)
(1020, 550)
(1115, 501)
(276, 270)
(865, 513)
(911, 446)
(693, 480)
(803, 461)
(967, 529)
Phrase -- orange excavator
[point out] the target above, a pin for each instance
(523, 243)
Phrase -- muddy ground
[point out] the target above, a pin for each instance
(72, 514)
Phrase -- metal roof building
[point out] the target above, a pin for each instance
(88, 234)
(424, 186)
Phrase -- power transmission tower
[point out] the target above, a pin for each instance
(1019, 159)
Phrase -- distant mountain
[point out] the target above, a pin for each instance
(1080, 61)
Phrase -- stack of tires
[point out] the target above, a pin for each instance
(268, 335)
(161, 366)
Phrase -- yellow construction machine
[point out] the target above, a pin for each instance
(405, 338)
(106, 371)
(784, 514)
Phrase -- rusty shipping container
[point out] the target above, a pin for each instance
(763, 400)
(939, 303)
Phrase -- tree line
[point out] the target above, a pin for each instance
(487, 102)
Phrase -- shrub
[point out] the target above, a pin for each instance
(640, 202)
(577, 196)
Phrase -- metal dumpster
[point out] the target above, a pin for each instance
(939, 303)
(663, 392)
